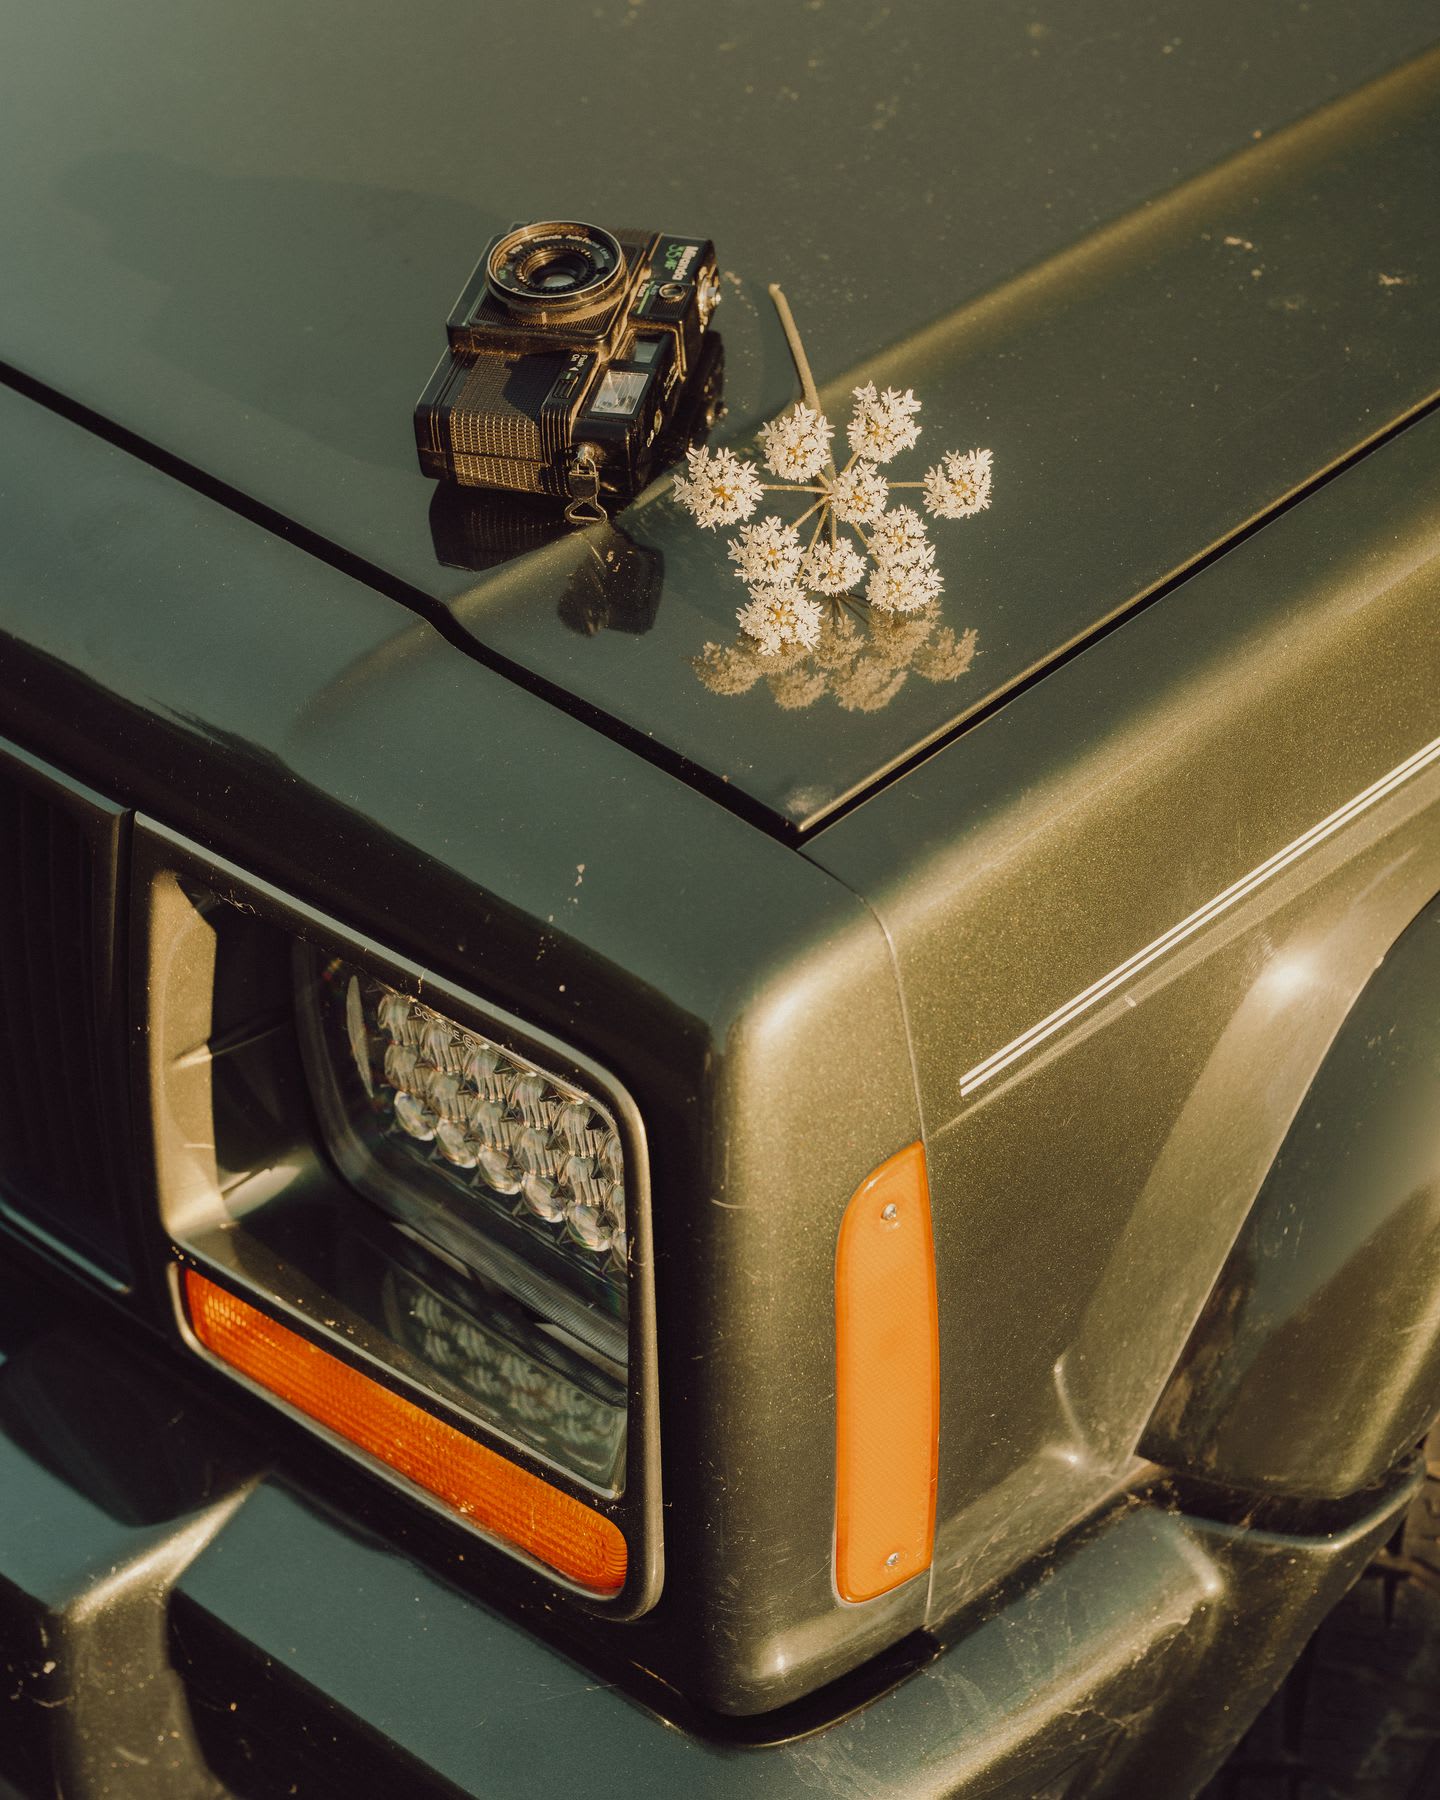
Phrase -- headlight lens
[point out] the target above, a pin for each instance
(450, 1245)
(476, 1128)
(508, 1183)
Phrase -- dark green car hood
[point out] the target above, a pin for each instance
(1123, 249)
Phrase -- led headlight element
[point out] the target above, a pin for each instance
(415, 1098)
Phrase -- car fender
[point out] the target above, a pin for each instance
(1315, 1362)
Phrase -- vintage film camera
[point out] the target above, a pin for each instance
(571, 349)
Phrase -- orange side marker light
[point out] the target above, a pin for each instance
(493, 1493)
(887, 1381)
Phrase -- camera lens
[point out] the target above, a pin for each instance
(555, 271)
(547, 270)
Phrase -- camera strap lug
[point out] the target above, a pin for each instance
(582, 474)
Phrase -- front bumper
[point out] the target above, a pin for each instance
(181, 1616)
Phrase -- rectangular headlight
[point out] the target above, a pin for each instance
(407, 1217)
(510, 1182)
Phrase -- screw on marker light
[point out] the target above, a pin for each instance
(887, 1381)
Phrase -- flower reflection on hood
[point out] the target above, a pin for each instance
(861, 661)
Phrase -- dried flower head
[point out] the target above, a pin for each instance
(797, 444)
(832, 568)
(720, 489)
(785, 572)
(958, 486)
(903, 587)
(899, 537)
(883, 425)
(778, 616)
(859, 494)
(767, 552)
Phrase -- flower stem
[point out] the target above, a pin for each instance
(797, 349)
(807, 512)
(793, 487)
(797, 355)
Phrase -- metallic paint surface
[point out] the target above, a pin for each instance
(1102, 245)
(288, 718)
(111, 1483)
(1085, 1200)
(765, 1008)
(1316, 1362)
(1137, 1623)
(1099, 991)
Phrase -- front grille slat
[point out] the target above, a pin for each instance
(61, 1073)
(70, 924)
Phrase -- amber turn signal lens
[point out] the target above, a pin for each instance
(494, 1494)
(887, 1381)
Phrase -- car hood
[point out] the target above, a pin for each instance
(1170, 270)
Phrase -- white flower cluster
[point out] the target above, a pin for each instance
(883, 424)
(903, 587)
(832, 569)
(721, 489)
(797, 444)
(905, 576)
(767, 553)
(785, 571)
(959, 485)
(858, 494)
(778, 616)
(900, 537)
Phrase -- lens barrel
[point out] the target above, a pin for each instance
(554, 269)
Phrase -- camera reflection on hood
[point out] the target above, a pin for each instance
(609, 582)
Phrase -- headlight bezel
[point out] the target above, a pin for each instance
(179, 967)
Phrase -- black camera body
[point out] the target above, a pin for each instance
(570, 352)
